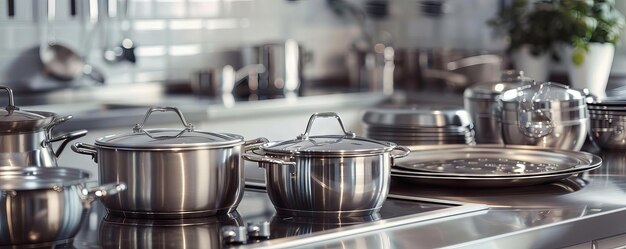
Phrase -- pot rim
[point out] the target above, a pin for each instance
(33, 178)
(385, 148)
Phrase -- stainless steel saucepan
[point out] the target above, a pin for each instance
(171, 173)
(26, 136)
(329, 175)
(44, 206)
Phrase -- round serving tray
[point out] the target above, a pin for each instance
(496, 161)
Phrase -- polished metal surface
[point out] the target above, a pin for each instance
(162, 184)
(44, 206)
(480, 101)
(283, 62)
(349, 186)
(165, 138)
(607, 132)
(347, 144)
(417, 116)
(117, 232)
(495, 160)
(566, 137)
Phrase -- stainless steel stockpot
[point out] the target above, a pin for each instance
(44, 206)
(329, 175)
(171, 173)
(26, 136)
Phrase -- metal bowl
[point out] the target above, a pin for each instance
(608, 133)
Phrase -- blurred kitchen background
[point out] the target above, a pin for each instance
(176, 41)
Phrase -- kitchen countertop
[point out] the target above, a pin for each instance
(577, 211)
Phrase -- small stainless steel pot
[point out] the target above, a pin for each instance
(171, 173)
(330, 175)
(548, 115)
(44, 206)
(26, 136)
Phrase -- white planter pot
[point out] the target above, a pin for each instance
(594, 71)
(535, 67)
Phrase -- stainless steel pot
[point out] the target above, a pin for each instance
(330, 175)
(117, 232)
(26, 136)
(44, 206)
(548, 115)
(171, 173)
(481, 103)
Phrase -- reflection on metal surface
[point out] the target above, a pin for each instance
(117, 232)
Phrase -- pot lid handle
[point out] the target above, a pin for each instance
(11, 106)
(139, 127)
(306, 133)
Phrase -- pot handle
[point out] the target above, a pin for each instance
(139, 127)
(102, 191)
(86, 149)
(306, 133)
(66, 138)
(406, 151)
(11, 106)
(254, 143)
(265, 159)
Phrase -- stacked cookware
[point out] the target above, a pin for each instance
(481, 102)
(607, 120)
(548, 115)
(42, 204)
(419, 125)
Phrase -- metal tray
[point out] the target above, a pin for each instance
(481, 182)
(489, 161)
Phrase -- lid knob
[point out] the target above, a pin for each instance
(306, 133)
(11, 107)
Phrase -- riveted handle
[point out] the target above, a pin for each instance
(139, 127)
(86, 149)
(307, 132)
(98, 192)
(265, 159)
(254, 143)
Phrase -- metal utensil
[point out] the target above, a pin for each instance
(60, 61)
(125, 51)
(171, 162)
(328, 175)
(44, 206)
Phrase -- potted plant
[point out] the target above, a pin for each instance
(588, 31)
(531, 42)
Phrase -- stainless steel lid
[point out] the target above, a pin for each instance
(12, 119)
(29, 178)
(165, 139)
(326, 145)
(417, 116)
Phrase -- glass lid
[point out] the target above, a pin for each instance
(346, 144)
(142, 138)
(543, 92)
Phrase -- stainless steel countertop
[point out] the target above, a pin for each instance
(571, 212)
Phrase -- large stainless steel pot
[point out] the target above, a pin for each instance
(117, 232)
(26, 136)
(44, 206)
(330, 175)
(171, 173)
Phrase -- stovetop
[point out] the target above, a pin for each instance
(254, 219)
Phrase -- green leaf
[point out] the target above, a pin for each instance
(578, 56)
